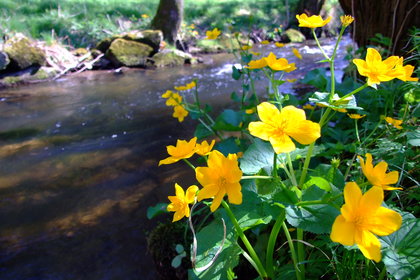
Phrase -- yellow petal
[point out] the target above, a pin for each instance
(190, 194)
(178, 215)
(234, 193)
(168, 160)
(205, 175)
(371, 200)
(207, 191)
(385, 221)
(352, 195)
(380, 169)
(305, 132)
(216, 201)
(369, 244)
(261, 130)
(171, 207)
(282, 144)
(179, 192)
(373, 55)
(268, 113)
(342, 231)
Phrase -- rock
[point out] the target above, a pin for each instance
(295, 36)
(123, 52)
(148, 37)
(31, 74)
(23, 52)
(4, 60)
(152, 38)
(172, 58)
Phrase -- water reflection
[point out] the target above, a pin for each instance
(78, 166)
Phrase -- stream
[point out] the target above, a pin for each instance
(79, 164)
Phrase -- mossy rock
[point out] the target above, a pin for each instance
(4, 60)
(123, 52)
(23, 52)
(295, 36)
(172, 58)
(152, 38)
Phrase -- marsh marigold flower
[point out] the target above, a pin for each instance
(280, 64)
(186, 87)
(312, 21)
(308, 107)
(246, 47)
(174, 100)
(179, 202)
(204, 148)
(278, 126)
(221, 177)
(257, 64)
(296, 53)
(405, 72)
(346, 20)
(355, 116)
(180, 113)
(394, 122)
(265, 42)
(377, 175)
(377, 70)
(279, 45)
(362, 216)
(213, 34)
(183, 149)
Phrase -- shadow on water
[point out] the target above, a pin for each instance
(78, 167)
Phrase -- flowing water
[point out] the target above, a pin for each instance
(79, 165)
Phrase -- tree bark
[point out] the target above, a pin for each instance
(391, 18)
(168, 18)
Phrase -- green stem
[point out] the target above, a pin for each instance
(189, 163)
(382, 274)
(260, 268)
(353, 92)
(306, 164)
(319, 45)
(274, 173)
(357, 131)
(272, 243)
(301, 252)
(292, 250)
(292, 171)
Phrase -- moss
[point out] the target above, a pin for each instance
(295, 36)
(23, 52)
(8, 81)
(171, 58)
(128, 53)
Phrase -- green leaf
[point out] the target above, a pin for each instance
(265, 186)
(202, 132)
(227, 146)
(285, 197)
(179, 248)
(401, 254)
(236, 73)
(317, 78)
(319, 182)
(176, 262)
(229, 120)
(315, 218)
(209, 240)
(330, 174)
(414, 138)
(156, 210)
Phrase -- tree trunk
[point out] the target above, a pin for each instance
(311, 8)
(168, 18)
(391, 18)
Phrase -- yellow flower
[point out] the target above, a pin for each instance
(312, 21)
(308, 107)
(377, 70)
(250, 111)
(255, 53)
(174, 100)
(145, 16)
(296, 53)
(341, 110)
(362, 216)
(245, 47)
(278, 126)
(280, 64)
(396, 123)
(221, 177)
(405, 72)
(291, 80)
(187, 86)
(279, 45)
(211, 35)
(265, 42)
(377, 175)
(192, 26)
(167, 94)
(204, 148)
(356, 116)
(180, 113)
(183, 149)
(257, 64)
(346, 20)
(179, 202)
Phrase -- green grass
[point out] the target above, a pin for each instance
(83, 23)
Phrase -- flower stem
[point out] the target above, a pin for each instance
(301, 252)
(274, 173)
(256, 177)
(306, 164)
(272, 243)
(260, 268)
(353, 92)
(319, 45)
(189, 163)
(292, 171)
(292, 250)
